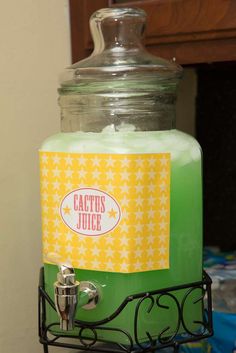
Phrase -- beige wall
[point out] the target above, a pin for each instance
(34, 48)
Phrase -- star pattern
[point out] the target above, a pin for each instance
(140, 183)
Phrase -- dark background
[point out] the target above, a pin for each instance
(216, 132)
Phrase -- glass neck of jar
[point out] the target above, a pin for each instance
(117, 111)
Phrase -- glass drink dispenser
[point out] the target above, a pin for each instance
(121, 187)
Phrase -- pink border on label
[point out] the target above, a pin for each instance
(104, 192)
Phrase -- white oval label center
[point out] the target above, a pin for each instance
(90, 211)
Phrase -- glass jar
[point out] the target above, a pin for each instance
(121, 187)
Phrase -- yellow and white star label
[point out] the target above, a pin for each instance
(106, 212)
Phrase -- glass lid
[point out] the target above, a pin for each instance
(118, 51)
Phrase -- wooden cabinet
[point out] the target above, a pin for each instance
(191, 31)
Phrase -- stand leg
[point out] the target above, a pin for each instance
(45, 348)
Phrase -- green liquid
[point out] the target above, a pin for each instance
(185, 235)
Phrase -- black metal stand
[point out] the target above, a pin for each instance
(161, 339)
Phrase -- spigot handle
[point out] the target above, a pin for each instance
(69, 293)
(66, 275)
(66, 296)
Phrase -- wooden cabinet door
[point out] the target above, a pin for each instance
(191, 31)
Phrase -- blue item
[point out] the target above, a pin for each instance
(196, 347)
(224, 337)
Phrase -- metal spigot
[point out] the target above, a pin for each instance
(69, 294)
(66, 297)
